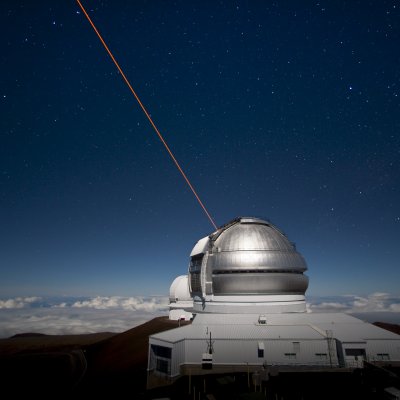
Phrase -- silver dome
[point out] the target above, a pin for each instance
(247, 256)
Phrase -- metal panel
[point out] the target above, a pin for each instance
(257, 259)
(178, 357)
(375, 348)
(254, 236)
(255, 283)
(241, 352)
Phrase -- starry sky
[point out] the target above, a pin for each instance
(284, 110)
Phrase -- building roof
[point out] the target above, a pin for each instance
(289, 326)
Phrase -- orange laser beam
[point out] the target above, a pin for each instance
(147, 114)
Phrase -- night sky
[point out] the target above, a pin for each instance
(284, 110)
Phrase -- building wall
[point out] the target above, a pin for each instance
(178, 357)
(377, 349)
(275, 352)
(354, 353)
(280, 352)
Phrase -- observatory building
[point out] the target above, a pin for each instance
(247, 266)
(245, 291)
(180, 299)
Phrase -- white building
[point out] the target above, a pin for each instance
(247, 287)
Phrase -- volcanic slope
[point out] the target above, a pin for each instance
(32, 364)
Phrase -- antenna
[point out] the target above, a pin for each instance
(207, 359)
(210, 348)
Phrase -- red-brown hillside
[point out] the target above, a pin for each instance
(389, 327)
(126, 351)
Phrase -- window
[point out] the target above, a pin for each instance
(355, 352)
(161, 351)
(162, 366)
(195, 283)
(382, 356)
(194, 271)
(161, 358)
(260, 351)
(195, 263)
(290, 356)
(321, 356)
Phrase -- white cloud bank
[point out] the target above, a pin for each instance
(117, 314)
(18, 302)
(73, 316)
(148, 304)
(373, 303)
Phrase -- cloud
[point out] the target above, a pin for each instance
(98, 303)
(375, 302)
(327, 306)
(18, 302)
(148, 304)
(61, 305)
(65, 321)
(55, 316)
(395, 308)
(61, 316)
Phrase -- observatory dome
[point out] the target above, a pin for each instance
(179, 290)
(247, 263)
(180, 300)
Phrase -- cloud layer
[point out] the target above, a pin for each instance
(58, 316)
(375, 302)
(77, 316)
(18, 302)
